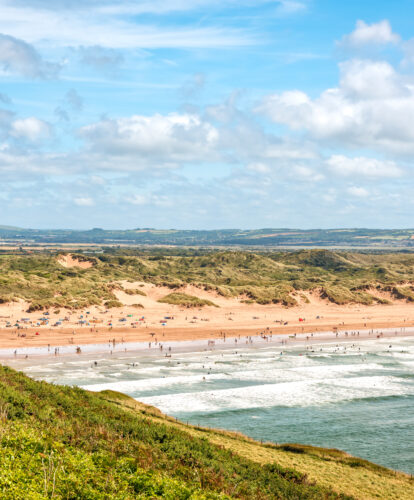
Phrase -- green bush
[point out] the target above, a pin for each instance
(182, 299)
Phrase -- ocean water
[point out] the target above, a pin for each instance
(357, 396)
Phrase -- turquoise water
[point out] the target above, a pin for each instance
(358, 397)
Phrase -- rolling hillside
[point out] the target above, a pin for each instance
(45, 280)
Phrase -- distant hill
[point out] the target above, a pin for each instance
(267, 238)
(10, 228)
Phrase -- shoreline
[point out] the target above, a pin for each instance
(171, 347)
(95, 327)
(60, 337)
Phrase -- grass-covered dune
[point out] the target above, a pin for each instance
(265, 278)
(185, 300)
(61, 442)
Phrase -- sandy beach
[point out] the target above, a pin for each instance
(157, 322)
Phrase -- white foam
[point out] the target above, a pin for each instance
(302, 393)
(321, 377)
(130, 386)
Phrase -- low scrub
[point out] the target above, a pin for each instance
(134, 291)
(113, 303)
(66, 443)
(265, 278)
(182, 299)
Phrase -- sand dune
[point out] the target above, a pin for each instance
(69, 260)
(232, 317)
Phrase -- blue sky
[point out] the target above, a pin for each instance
(206, 114)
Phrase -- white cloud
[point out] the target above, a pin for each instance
(291, 6)
(372, 80)
(370, 34)
(358, 192)
(158, 140)
(151, 199)
(31, 129)
(14, 163)
(17, 56)
(153, 144)
(157, 7)
(372, 108)
(361, 166)
(260, 168)
(84, 201)
(306, 174)
(89, 25)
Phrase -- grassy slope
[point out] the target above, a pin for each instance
(65, 442)
(263, 278)
(331, 468)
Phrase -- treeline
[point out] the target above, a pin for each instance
(268, 237)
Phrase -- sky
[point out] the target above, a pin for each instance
(204, 114)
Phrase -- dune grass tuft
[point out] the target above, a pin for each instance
(182, 299)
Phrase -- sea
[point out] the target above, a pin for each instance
(354, 395)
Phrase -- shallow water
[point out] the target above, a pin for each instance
(358, 397)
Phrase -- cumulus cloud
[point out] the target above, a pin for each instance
(370, 34)
(154, 144)
(159, 140)
(17, 56)
(31, 129)
(371, 108)
(361, 166)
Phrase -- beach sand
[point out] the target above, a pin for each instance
(232, 318)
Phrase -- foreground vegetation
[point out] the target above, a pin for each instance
(61, 442)
(67, 443)
(265, 278)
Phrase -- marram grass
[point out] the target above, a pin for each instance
(265, 278)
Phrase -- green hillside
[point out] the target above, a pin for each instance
(61, 442)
